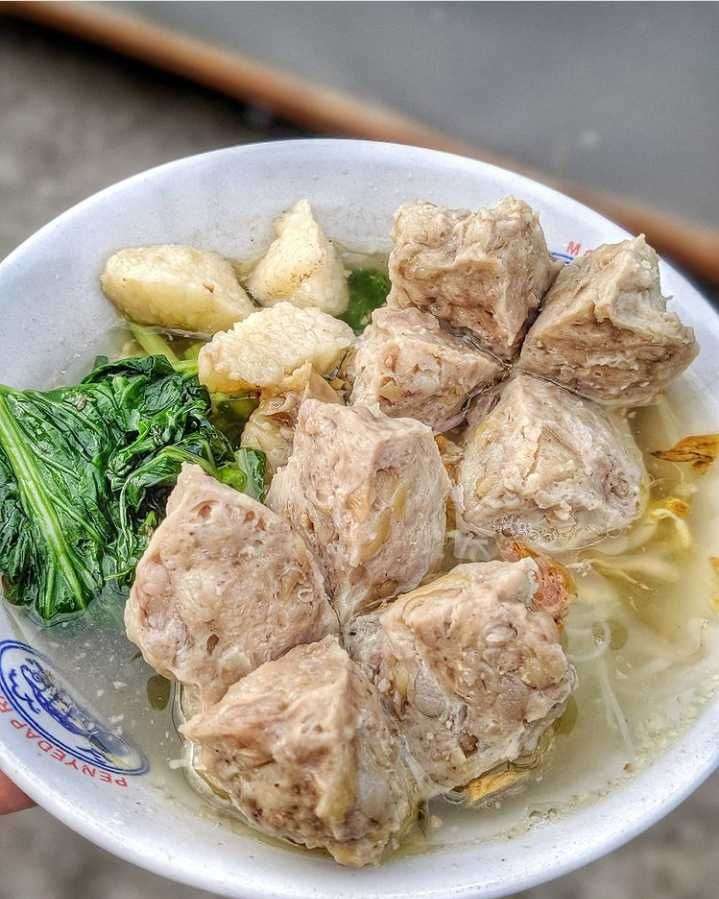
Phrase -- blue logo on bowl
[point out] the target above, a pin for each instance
(40, 696)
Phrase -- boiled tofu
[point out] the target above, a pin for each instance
(301, 266)
(261, 351)
(176, 286)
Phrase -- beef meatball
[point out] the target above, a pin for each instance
(605, 330)
(304, 749)
(471, 667)
(485, 271)
(223, 586)
(368, 494)
(411, 367)
(550, 469)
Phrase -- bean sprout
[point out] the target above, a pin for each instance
(615, 715)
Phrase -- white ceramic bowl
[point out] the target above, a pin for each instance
(64, 758)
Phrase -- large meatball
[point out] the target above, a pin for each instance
(304, 749)
(471, 667)
(223, 586)
(605, 331)
(486, 271)
(368, 494)
(550, 469)
(411, 367)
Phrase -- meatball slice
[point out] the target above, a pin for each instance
(305, 751)
(485, 271)
(301, 266)
(368, 494)
(550, 469)
(271, 426)
(605, 331)
(175, 286)
(409, 366)
(470, 666)
(223, 586)
(262, 350)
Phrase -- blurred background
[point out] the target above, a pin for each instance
(622, 99)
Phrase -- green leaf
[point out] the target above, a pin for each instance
(152, 342)
(192, 353)
(248, 473)
(85, 472)
(230, 414)
(368, 291)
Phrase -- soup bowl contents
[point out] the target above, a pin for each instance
(411, 540)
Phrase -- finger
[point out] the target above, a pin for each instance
(11, 798)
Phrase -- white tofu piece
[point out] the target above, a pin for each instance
(175, 286)
(265, 348)
(301, 266)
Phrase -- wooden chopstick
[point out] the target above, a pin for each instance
(323, 110)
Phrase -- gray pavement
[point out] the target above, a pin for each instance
(73, 120)
(618, 95)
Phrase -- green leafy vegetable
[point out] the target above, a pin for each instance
(192, 352)
(152, 342)
(248, 473)
(230, 414)
(368, 290)
(85, 472)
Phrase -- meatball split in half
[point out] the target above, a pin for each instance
(223, 586)
(485, 271)
(367, 493)
(471, 667)
(411, 367)
(305, 751)
(605, 331)
(550, 469)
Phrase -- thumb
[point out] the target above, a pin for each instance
(11, 798)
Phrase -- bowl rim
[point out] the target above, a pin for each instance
(699, 743)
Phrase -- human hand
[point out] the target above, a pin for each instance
(11, 798)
